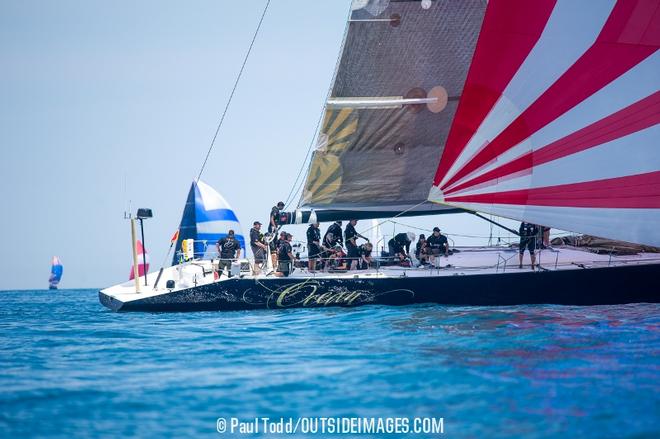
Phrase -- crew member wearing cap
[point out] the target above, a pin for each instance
(437, 244)
(229, 249)
(274, 221)
(258, 246)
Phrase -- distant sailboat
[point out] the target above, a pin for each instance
(143, 264)
(56, 270)
(206, 218)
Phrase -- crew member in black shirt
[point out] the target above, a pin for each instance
(313, 245)
(438, 244)
(258, 246)
(422, 250)
(399, 246)
(365, 255)
(350, 237)
(528, 239)
(274, 221)
(285, 257)
(333, 235)
(228, 249)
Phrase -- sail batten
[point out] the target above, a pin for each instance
(377, 102)
(574, 146)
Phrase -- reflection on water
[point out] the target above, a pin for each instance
(70, 367)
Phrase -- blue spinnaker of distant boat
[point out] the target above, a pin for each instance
(56, 270)
(206, 218)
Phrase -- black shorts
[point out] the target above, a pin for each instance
(284, 267)
(352, 251)
(313, 251)
(529, 243)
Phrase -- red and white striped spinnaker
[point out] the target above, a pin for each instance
(558, 120)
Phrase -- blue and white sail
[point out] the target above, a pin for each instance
(56, 271)
(207, 217)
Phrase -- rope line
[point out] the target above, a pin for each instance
(233, 90)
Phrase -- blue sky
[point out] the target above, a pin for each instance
(106, 102)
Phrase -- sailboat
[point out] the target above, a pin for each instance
(544, 112)
(56, 271)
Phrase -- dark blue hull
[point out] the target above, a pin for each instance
(593, 286)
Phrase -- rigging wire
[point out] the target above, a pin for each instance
(509, 238)
(231, 95)
(292, 194)
(422, 229)
(380, 223)
(296, 186)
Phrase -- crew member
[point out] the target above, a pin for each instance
(285, 257)
(545, 243)
(528, 236)
(399, 246)
(274, 241)
(333, 235)
(422, 250)
(437, 244)
(274, 222)
(229, 249)
(350, 237)
(258, 246)
(336, 257)
(365, 255)
(313, 245)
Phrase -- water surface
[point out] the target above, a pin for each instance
(69, 367)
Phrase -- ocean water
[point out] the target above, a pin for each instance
(71, 368)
